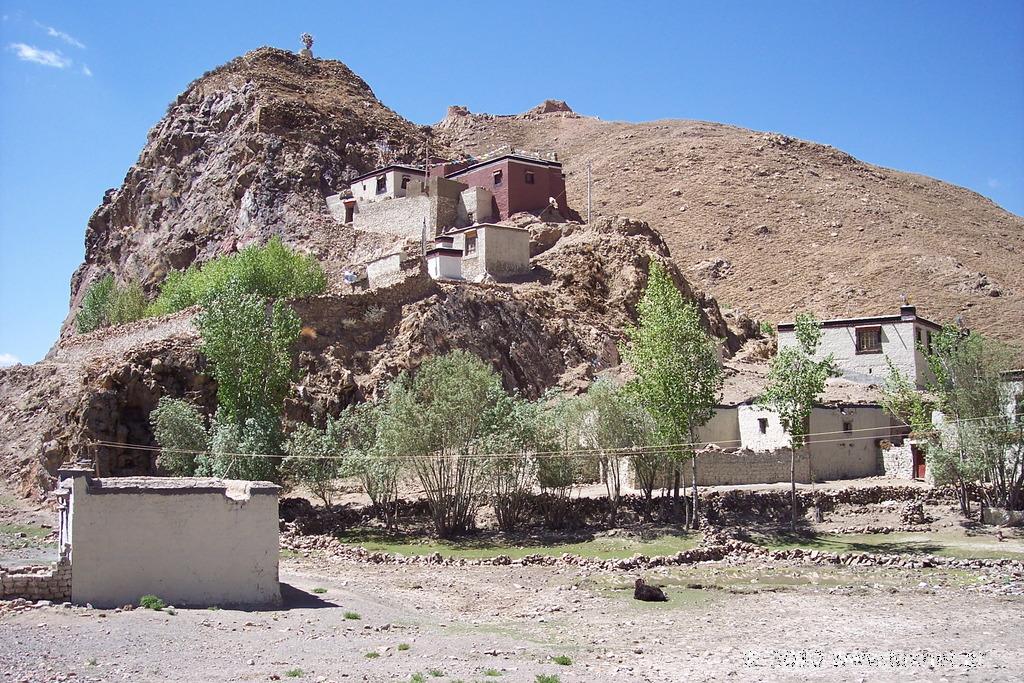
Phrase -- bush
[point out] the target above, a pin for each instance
(243, 451)
(152, 602)
(107, 304)
(178, 427)
(273, 271)
(312, 461)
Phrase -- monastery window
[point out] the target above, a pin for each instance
(382, 184)
(497, 178)
(405, 181)
(869, 339)
(762, 424)
(470, 243)
(529, 177)
(917, 335)
(847, 426)
(928, 336)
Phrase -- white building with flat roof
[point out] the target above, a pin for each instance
(861, 345)
(390, 182)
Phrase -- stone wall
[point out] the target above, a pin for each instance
(51, 582)
(898, 461)
(733, 467)
(403, 217)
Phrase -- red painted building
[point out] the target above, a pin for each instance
(518, 182)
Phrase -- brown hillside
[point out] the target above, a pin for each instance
(776, 225)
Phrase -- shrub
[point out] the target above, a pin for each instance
(107, 304)
(295, 673)
(243, 451)
(436, 673)
(273, 271)
(352, 615)
(767, 329)
(440, 415)
(562, 660)
(178, 427)
(152, 602)
(547, 678)
(312, 461)
(355, 432)
(319, 591)
(402, 647)
(492, 672)
(372, 654)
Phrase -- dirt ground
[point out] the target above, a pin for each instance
(741, 619)
(723, 622)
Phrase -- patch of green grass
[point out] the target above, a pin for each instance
(562, 660)
(402, 647)
(352, 615)
(213, 608)
(91, 661)
(33, 532)
(295, 673)
(417, 678)
(319, 591)
(372, 654)
(436, 673)
(288, 554)
(547, 678)
(603, 547)
(152, 602)
(960, 547)
(492, 672)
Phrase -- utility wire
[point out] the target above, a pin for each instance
(574, 453)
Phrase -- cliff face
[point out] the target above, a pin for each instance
(247, 151)
(776, 225)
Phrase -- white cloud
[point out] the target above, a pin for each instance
(8, 359)
(61, 35)
(86, 70)
(28, 53)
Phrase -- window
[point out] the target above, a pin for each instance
(529, 177)
(917, 336)
(382, 184)
(928, 336)
(869, 339)
(405, 181)
(497, 178)
(847, 426)
(350, 210)
(762, 424)
(470, 243)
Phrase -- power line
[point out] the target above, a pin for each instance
(570, 453)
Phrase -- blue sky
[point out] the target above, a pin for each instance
(931, 87)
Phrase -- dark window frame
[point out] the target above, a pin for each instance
(529, 178)
(862, 344)
(382, 184)
(498, 177)
(762, 424)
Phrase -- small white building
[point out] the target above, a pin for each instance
(492, 250)
(444, 263)
(861, 345)
(190, 541)
(390, 182)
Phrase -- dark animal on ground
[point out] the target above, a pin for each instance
(648, 593)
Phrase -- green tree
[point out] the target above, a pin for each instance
(678, 371)
(181, 431)
(613, 422)
(106, 304)
(979, 437)
(439, 418)
(795, 381)
(511, 467)
(271, 271)
(313, 460)
(557, 439)
(250, 344)
(368, 457)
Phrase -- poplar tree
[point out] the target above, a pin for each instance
(795, 382)
(678, 373)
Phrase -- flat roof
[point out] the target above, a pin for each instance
(444, 250)
(480, 226)
(502, 157)
(179, 485)
(868, 320)
(385, 169)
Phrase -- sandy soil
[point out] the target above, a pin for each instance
(745, 622)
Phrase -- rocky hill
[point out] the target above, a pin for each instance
(776, 225)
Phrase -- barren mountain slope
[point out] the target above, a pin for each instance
(777, 225)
